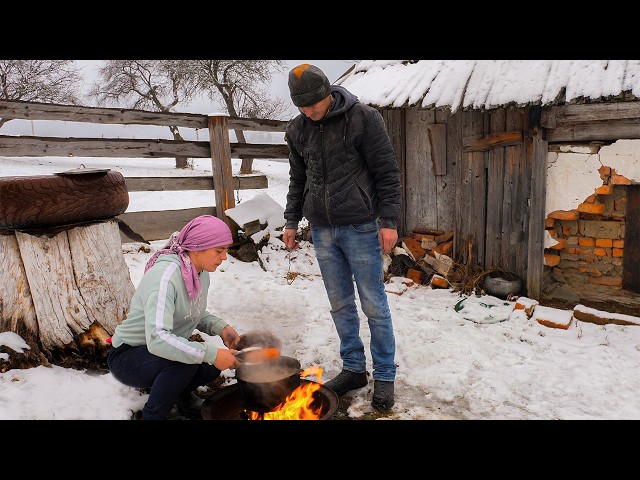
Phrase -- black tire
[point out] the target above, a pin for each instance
(54, 200)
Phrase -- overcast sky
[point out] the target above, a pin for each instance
(332, 68)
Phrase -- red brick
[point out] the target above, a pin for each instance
(551, 260)
(586, 241)
(596, 208)
(605, 190)
(605, 280)
(439, 282)
(604, 242)
(526, 304)
(604, 171)
(620, 180)
(562, 242)
(552, 317)
(563, 215)
(585, 314)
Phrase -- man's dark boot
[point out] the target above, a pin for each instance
(190, 405)
(382, 395)
(347, 380)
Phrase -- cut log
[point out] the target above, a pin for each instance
(59, 308)
(16, 306)
(440, 263)
(65, 292)
(101, 273)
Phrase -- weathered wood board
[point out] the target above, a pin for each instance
(65, 287)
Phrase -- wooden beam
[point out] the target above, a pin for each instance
(535, 254)
(594, 112)
(438, 144)
(26, 146)
(161, 224)
(158, 184)
(221, 168)
(494, 140)
(595, 131)
(631, 269)
(18, 109)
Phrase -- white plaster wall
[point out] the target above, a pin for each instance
(624, 156)
(572, 174)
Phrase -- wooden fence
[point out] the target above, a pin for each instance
(155, 225)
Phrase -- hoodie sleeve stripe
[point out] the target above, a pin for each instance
(161, 331)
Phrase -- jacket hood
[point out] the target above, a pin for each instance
(168, 257)
(344, 100)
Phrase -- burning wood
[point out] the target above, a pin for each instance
(300, 404)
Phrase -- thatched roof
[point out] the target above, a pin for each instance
(488, 84)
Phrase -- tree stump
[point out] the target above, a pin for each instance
(64, 294)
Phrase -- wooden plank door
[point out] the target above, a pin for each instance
(631, 255)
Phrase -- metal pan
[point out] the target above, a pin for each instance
(265, 385)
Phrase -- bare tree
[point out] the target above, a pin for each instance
(242, 85)
(49, 81)
(156, 85)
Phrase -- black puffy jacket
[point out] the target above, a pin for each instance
(343, 169)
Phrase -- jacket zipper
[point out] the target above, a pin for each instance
(324, 175)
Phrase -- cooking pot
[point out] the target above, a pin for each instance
(502, 284)
(258, 338)
(266, 385)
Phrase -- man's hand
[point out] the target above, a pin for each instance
(388, 239)
(289, 238)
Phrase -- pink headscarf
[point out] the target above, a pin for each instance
(201, 233)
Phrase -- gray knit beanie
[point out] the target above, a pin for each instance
(308, 85)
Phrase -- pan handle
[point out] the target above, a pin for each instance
(257, 354)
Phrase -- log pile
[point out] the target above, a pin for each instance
(423, 257)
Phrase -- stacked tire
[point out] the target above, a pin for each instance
(36, 202)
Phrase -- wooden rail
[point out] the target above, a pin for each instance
(155, 225)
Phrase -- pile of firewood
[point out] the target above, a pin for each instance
(423, 257)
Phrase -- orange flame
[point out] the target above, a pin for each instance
(298, 405)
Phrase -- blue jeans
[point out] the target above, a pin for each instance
(137, 367)
(347, 253)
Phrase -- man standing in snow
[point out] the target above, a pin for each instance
(345, 180)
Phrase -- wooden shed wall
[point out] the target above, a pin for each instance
(465, 173)
(491, 187)
(428, 188)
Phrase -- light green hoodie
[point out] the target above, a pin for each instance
(162, 316)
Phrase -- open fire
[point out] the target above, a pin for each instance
(300, 404)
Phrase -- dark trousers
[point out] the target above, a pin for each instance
(167, 379)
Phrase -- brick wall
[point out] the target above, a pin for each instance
(590, 238)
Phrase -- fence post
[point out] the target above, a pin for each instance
(221, 169)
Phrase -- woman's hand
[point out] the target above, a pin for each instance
(225, 359)
(229, 336)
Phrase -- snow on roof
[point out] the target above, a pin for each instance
(487, 84)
